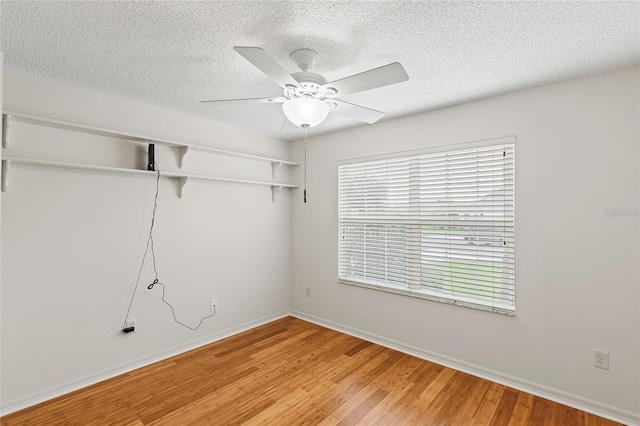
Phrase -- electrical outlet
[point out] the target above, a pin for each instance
(308, 291)
(601, 359)
(214, 305)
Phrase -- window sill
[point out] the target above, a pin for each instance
(423, 294)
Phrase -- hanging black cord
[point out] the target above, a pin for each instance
(305, 164)
(173, 312)
(155, 270)
(146, 249)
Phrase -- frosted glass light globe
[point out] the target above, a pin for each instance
(305, 112)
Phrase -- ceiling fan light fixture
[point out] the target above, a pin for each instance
(305, 112)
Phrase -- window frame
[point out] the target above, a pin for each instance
(422, 293)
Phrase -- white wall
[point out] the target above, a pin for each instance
(577, 270)
(72, 241)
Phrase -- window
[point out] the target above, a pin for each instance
(438, 225)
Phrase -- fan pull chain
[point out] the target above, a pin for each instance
(305, 165)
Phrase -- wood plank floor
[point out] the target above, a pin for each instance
(291, 372)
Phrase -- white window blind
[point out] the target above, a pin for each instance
(438, 226)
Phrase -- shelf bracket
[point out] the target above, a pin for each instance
(274, 169)
(274, 192)
(5, 174)
(181, 184)
(182, 151)
(5, 130)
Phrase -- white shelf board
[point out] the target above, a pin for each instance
(130, 137)
(183, 177)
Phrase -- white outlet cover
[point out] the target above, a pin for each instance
(601, 359)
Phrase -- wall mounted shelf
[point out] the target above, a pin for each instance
(181, 177)
(183, 148)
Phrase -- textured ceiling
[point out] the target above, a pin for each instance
(176, 54)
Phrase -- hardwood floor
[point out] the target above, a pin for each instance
(291, 372)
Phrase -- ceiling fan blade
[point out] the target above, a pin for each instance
(377, 77)
(356, 112)
(267, 65)
(276, 100)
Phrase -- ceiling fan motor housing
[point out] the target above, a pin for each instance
(309, 82)
(309, 86)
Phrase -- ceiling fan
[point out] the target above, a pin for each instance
(308, 97)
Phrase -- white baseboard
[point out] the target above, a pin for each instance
(575, 401)
(64, 388)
